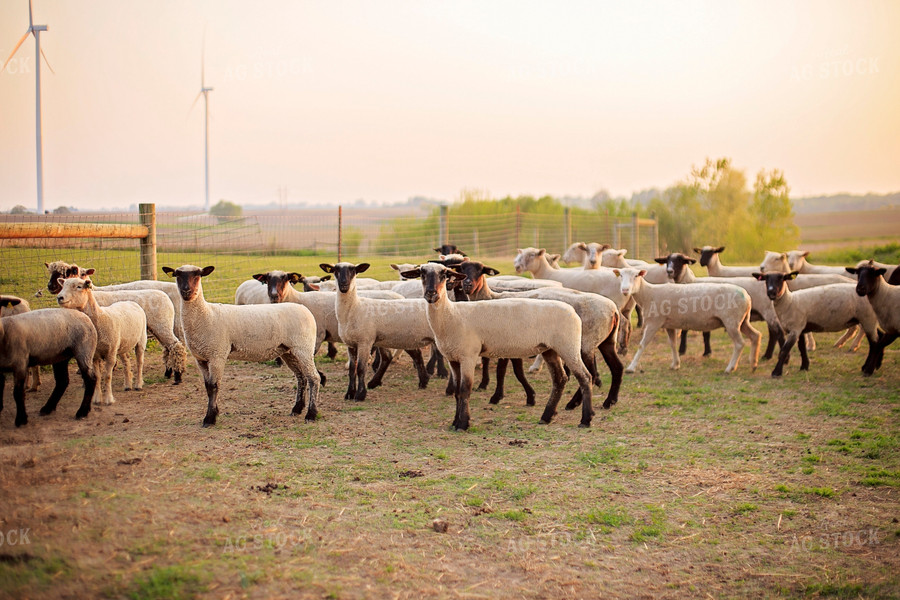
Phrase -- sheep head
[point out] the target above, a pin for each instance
(187, 277)
(344, 273)
(868, 275)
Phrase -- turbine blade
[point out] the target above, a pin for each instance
(203, 60)
(194, 103)
(30, 19)
(47, 62)
(11, 54)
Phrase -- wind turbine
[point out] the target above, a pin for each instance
(204, 91)
(35, 30)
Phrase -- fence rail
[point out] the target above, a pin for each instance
(125, 246)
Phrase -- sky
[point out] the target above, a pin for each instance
(337, 101)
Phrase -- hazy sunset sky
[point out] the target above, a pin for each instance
(385, 100)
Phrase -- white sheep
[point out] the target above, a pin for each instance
(121, 328)
(465, 331)
(50, 336)
(709, 258)
(885, 301)
(259, 332)
(833, 307)
(698, 307)
(10, 309)
(599, 323)
(366, 323)
(587, 255)
(170, 289)
(402, 267)
(516, 283)
(797, 262)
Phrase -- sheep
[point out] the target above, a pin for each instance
(170, 289)
(885, 301)
(599, 281)
(613, 258)
(515, 283)
(599, 319)
(312, 283)
(162, 318)
(890, 274)
(365, 323)
(121, 328)
(709, 258)
(700, 307)
(797, 262)
(464, 331)
(259, 332)
(10, 309)
(400, 268)
(832, 307)
(447, 249)
(49, 336)
(588, 255)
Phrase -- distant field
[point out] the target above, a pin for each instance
(820, 231)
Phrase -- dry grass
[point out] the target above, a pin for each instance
(696, 484)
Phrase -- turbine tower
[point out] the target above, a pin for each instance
(204, 91)
(35, 30)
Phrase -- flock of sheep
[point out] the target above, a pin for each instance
(461, 309)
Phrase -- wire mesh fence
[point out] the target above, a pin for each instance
(298, 241)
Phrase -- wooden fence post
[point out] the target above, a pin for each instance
(147, 213)
(340, 226)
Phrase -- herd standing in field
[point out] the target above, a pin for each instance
(462, 310)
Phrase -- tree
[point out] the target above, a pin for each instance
(226, 209)
(772, 212)
(61, 210)
(18, 209)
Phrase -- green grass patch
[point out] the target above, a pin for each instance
(166, 583)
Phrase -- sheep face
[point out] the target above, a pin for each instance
(776, 262)
(776, 283)
(528, 259)
(795, 259)
(630, 279)
(61, 270)
(474, 272)
(868, 275)
(73, 292)
(446, 249)
(278, 282)
(7, 301)
(344, 273)
(675, 265)
(310, 284)
(706, 254)
(434, 280)
(187, 277)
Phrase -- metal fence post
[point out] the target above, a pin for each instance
(567, 228)
(634, 235)
(655, 234)
(518, 226)
(340, 225)
(147, 215)
(444, 225)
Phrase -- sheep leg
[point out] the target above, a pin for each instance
(362, 362)
(537, 364)
(519, 371)
(501, 379)
(846, 336)
(419, 362)
(649, 331)
(432, 360)
(167, 360)
(608, 352)
(707, 349)
(35, 381)
(89, 381)
(775, 335)
(673, 342)
(558, 377)
(61, 377)
(738, 340)
(750, 331)
(2, 387)
(624, 334)
(212, 371)
(485, 373)
(441, 367)
(332, 350)
(450, 390)
(682, 349)
(464, 372)
(351, 371)
(106, 386)
(640, 315)
(19, 397)
(129, 375)
(810, 341)
(876, 352)
(384, 358)
(789, 342)
(804, 357)
(178, 355)
(588, 360)
(376, 361)
(307, 376)
(139, 365)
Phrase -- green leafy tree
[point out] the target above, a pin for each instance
(772, 212)
(226, 209)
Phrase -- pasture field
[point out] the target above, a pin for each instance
(696, 484)
(848, 229)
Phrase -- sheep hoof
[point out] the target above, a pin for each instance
(529, 401)
(80, 415)
(629, 370)
(46, 410)
(584, 425)
(543, 422)
(127, 389)
(495, 399)
(573, 404)
(177, 378)
(168, 373)
(21, 421)
(608, 404)
(311, 416)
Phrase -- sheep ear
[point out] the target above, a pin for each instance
(295, 277)
(784, 255)
(455, 275)
(582, 245)
(642, 273)
(327, 268)
(88, 284)
(792, 275)
(206, 271)
(554, 256)
(851, 270)
(661, 261)
(312, 286)
(622, 252)
(169, 271)
(542, 251)
(461, 253)
(326, 278)
(438, 250)
(412, 273)
(46, 265)
(758, 276)
(394, 267)
(362, 267)
(805, 253)
(261, 277)
(881, 272)
(605, 247)
(616, 271)
(719, 249)
(90, 272)
(489, 271)
(60, 281)
(691, 260)
(698, 250)
(10, 301)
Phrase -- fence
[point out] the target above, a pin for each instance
(121, 246)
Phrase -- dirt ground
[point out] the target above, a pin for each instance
(697, 484)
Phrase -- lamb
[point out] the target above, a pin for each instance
(709, 258)
(599, 323)
(259, 332)
(699, 307)
(797, 262)
(121, 328)
(18, 306)
(365, 323)
(49, 336)
(885, 301)
(312, 283)
(613, 258)
(515, 283)
(598, 281)
(162, 318)
(588, 255)
(170, 289)
(890, 274)
(464, 331)
(832, 307)
(400, 268)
